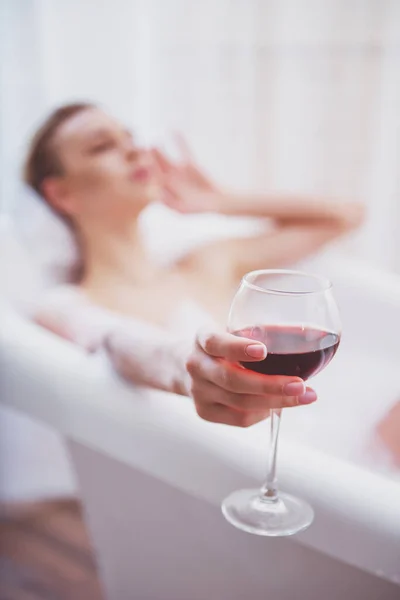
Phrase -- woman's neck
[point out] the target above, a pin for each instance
(116, 256)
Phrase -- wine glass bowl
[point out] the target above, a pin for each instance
(295, 315)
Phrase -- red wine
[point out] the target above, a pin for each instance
(298, 351)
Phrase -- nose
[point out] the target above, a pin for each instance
(140, 155)
(132, 151)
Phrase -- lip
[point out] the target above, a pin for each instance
(141, 174)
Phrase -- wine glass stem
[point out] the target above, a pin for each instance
(269, 491)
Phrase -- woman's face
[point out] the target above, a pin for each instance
(105, 175)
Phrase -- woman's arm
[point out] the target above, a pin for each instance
(188, 190)
(230, 259)
(204, 369)
(65, 312)
(207, 370)
(302, 225)
(287, 210)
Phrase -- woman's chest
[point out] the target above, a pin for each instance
(176, 303)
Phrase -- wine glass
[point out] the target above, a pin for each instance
(295, 315)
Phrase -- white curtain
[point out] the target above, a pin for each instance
(289, 95)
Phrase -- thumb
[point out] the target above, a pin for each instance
(231, 347)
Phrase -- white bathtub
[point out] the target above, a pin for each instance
(152, 474)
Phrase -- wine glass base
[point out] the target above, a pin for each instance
(253, 513)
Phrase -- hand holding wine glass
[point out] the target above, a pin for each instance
(224, 392)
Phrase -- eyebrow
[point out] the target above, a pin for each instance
(96, 133)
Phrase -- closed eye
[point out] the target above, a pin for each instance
(102, 146)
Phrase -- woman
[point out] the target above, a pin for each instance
(87, 167)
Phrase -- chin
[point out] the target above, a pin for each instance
(141, 197)
(152, 193)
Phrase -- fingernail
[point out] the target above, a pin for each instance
(256, 351)
(296, 388)
(308, 398)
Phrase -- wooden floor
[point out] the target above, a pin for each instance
(45, 553)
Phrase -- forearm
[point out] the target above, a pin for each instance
(288, 209)
(149, 358)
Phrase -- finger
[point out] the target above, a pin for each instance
(235, 379)
(231, 347)
(214, 394)
(217, 413)
(183, 148)
(174, 197)
(189, 160)
(164, 163)
(254, 403)
(251, 402)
